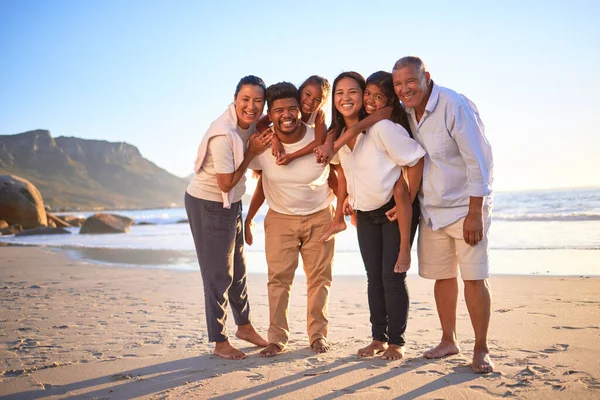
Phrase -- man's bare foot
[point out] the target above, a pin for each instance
(320, 346)
(334, 227)
(271, 350)
(482, 364)
(249, 334)
(393, 352)
(226, 350)
(375, 347)
(442, 350)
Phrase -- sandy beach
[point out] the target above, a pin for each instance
(70, 329)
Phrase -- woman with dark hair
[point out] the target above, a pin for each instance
(214, 208)
(372, 164)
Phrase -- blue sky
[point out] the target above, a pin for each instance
(156, 73)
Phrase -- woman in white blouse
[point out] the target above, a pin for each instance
(372, 164)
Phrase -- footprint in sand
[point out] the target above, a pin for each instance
(490, 393)
(556, 348)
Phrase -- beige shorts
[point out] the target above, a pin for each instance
(443, 252)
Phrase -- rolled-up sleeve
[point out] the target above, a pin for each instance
(398, 144)
(469, 133)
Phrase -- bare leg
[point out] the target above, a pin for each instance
(338, 185)
(393, 352)
(320, 346)
(249, 334)
(226, 350)
(479, 303)
(271, 350)
(375, 347)
(446, 299)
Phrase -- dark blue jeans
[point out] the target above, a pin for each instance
(219, 241)
(379, 242)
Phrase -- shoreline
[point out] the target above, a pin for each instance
(584, 262)
(71, 329)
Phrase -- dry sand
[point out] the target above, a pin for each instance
(74, 330)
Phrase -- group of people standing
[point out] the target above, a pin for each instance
(401, 152)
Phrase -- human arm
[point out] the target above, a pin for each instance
(473, 224)
(257, 143)
(404, 217)
(414, 175)
(320, 135)
(258, 198)
(362, 125)
(467, 130)
(263, 123)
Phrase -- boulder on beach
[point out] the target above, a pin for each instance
(72, 220)
(3, 224)
(21, 203)
(42, 231)
(106, 223)
(11, 230)
(59, 223)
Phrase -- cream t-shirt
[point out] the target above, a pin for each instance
(299, 188)
(219, 160)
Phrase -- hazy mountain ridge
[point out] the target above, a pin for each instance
(81, 173)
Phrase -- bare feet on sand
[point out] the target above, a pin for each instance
(320, 346)
(249, 334)
(375, 347)
(334, 227)
(226, 350)
(393, 352)
(442, 350)
(482, 364)
(271, 350)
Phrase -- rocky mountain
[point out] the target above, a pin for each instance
(81, 173)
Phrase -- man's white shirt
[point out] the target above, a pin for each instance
(459, 161)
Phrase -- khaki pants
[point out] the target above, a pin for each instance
(287, 236)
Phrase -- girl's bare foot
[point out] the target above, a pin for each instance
(375, 347)
(334, 227)
(249, 334)
(393, 352)
(482, 364)
(442, 350)
(403, 262)
(271, 350)
(226, 350)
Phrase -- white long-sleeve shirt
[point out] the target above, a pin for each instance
(459, 161)
(374, 165)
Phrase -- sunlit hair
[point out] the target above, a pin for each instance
(319, 81)
(383, 80)
(250, 80)
(337, 119)
(417, 64)
(282, 90)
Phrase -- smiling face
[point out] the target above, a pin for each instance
(411, 87)
(249, 105)
(374, 98)
(285, 115)
(311, 98)
(348, 99)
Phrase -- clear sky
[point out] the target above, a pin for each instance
(156, 73)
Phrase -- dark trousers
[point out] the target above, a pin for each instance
(379, 242)
(219, 241)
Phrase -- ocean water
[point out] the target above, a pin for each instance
(552, 232)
